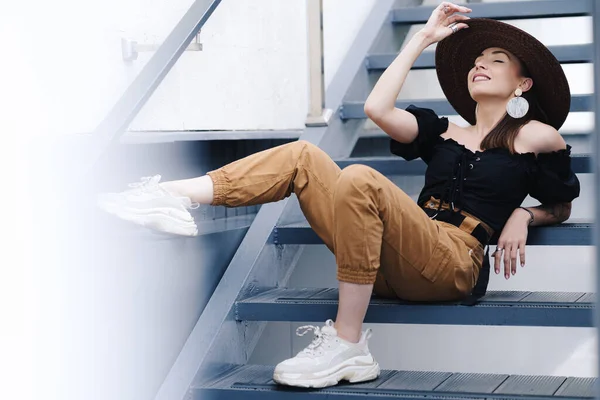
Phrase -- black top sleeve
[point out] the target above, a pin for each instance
(552, 179)
(430, 128)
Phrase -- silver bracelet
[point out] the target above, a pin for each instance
(530, 214)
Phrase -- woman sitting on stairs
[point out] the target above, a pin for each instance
(513, 93)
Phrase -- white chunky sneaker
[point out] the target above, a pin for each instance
(149, 205)
(328, 360)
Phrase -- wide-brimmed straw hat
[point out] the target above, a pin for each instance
(456, 54)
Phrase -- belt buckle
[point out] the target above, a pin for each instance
(430, 205)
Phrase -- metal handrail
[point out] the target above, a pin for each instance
(596, 169)
(139, 91)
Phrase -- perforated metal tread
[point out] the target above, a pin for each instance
(566, 234)
(255, 382)
(496, 308)
(504, 10)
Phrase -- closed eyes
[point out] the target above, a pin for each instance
(498, 61)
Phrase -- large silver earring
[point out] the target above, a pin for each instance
(517, 107)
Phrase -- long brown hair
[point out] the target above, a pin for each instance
(506, 130)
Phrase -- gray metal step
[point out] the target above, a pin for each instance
(503, 10)
(565, 234)
(372, 131)
(249, 382)
(355, 109)
(376, 143)
(393, 165)
(566, 309)
(571, 54)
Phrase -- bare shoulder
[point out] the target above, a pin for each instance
(537, 137)
(455, 131)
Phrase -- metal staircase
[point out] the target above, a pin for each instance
(258, 302)
(213, 363)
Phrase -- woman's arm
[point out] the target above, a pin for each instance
(514, 234)
(541, 138)
(380, 105)
(547, 214)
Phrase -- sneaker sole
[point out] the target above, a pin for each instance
(350, 373)
(152, 219)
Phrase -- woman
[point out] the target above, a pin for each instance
(476, 180)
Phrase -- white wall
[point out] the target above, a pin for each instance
(253, 71)
(65, 70)
(338, 13)
(63, 64)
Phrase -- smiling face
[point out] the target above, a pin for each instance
(496, 73)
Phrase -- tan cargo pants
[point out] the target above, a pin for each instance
(378, 234)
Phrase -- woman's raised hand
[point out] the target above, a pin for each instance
(444, 21)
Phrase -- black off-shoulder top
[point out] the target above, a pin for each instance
(488, 184)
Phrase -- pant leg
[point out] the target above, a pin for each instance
(379, 229)
(272, 175)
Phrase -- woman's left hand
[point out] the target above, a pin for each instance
(512, 240)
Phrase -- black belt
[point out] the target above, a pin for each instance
(456, 219)
(479, 233)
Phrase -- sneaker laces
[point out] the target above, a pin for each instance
(149, 184)
(322, 336)
(146, 183)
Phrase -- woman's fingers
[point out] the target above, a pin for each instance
(449, 8)
(456, 18)
(448, 18)
(458, 27)
(513, 259)
(522, 253)
(498, 258)
(443, 22)
(507, 254)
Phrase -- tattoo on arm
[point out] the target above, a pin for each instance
(560, 211)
